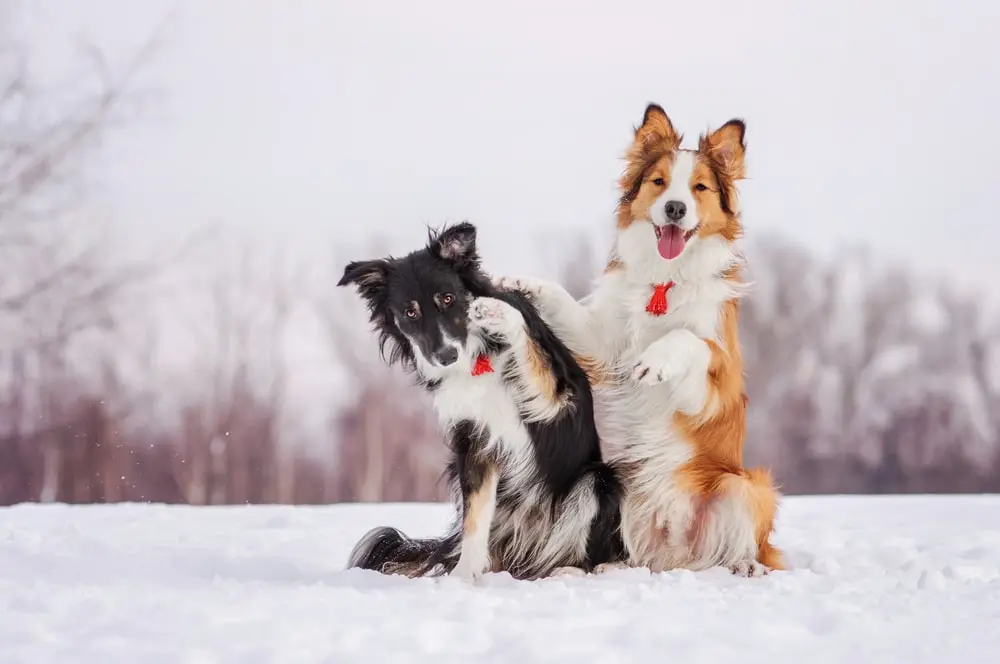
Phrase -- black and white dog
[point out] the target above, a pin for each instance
(526, 469)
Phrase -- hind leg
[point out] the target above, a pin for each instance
(732, 520)
(770, 556)
(761, 498)
(755, 493)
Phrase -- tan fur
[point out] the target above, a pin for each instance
(597, 372)
(720, 163)
(714, 220)
(718, 431)
(477, 500)
(540, 374)
(762, 497)
(655, 141)
(709, 479)
(650, 188)
(724, 147)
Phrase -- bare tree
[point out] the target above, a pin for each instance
(864, 378)
(389, 446)
(59, 285)
(231, 450)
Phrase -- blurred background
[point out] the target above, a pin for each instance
(181, 184)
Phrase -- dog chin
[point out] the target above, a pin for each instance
(431, 370)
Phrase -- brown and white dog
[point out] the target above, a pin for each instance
(661, 327)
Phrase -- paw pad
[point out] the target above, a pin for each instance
(749, 568)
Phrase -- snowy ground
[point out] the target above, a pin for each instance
(884, 580)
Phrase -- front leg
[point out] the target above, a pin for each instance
(499, 320)
(477, 477)
(681, 359)
(535, 388)
(570, 320)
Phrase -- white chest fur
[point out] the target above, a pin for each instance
(694, 307)
(486, 400)
(636, 421)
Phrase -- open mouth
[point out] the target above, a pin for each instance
(671, 239)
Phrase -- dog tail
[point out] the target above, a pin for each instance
(389, 551)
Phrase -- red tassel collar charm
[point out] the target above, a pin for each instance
(483, 365)
(658, 301)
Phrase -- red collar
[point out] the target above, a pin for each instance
(482, 365)
(658, 300)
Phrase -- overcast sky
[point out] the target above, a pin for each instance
(324, 121)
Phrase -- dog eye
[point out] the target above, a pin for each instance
(659, 182)
(700, 187)
(411, 312)
(447, 299)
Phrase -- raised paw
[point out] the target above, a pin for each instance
(495, 316)
(530, 288)
(671, 358)
(657, 365)
(749, 568)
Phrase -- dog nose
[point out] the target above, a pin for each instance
(676, 210)
(448, 356)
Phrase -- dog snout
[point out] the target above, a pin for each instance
(675, 210)
(446, 356)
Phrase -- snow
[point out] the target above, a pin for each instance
(875, 579)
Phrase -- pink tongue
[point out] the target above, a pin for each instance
(671, 242)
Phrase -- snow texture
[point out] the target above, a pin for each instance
(875, 579)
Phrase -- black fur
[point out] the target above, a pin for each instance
(566, 449)
(559, 462)
(387, 549)
(390, 285)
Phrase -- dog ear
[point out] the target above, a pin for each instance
(455, 244)
(368, 276)
(725, 146)
(656, 130)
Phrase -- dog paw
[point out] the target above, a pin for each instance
(530, 288)
(658, 365)
(495, 316)
(568, 571)
(749, 568)
(604, 568)
(670, 358)
(465, 571)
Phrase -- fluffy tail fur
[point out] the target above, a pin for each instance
(389, 551)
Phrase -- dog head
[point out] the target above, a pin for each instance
(673, 199)
(419, 304)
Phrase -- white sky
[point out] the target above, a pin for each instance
(322, 121)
